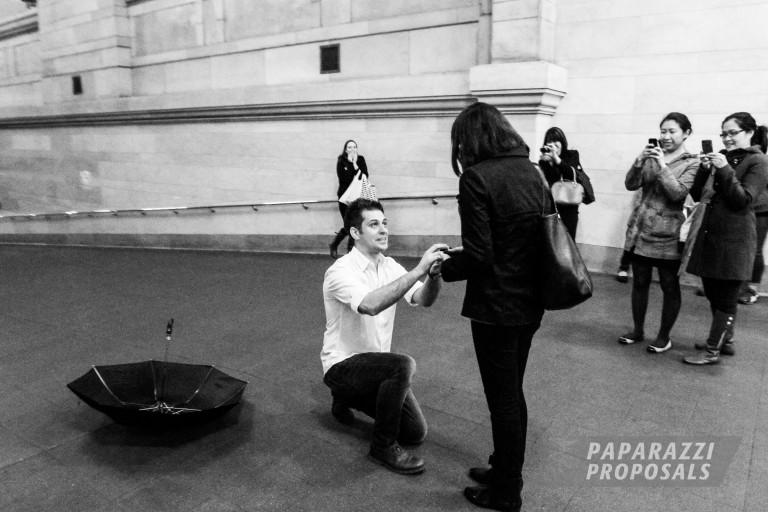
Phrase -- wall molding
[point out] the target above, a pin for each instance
(426, 106)
(22, 24)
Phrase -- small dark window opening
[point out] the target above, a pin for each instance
(329, 59)
(77, 85)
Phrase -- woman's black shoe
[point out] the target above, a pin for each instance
(480, 475)
(486, 497)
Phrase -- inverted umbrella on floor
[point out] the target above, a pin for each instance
(155, 393)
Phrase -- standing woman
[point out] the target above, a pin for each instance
(501, 199)
(723, 249)
(557, 162)
(664, 173)
(347, 166)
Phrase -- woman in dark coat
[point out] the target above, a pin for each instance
(557, 162)
(723, 250)
(348, 165)
(501, 198)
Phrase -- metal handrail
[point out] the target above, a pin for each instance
(211, 208)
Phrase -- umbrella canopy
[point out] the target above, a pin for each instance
(155, 393)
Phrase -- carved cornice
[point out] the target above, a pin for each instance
(441, 106)
(23, 24)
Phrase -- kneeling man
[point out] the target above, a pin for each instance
(360, 291)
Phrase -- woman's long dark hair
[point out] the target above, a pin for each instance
(344, 151)
(481, 132)
(747, 123)
(555, 134)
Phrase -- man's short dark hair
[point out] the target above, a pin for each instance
(354, 216)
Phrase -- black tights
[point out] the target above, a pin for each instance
(642, 275)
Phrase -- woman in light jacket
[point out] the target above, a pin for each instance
(664, 173)
(722, 252)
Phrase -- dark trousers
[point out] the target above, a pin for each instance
(379, 385)
(642, 275)
(502, 353)
(723, 294)
(570, 215)
(761, 226)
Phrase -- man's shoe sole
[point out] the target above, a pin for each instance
(400, 471)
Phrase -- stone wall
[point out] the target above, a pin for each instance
(219, 101)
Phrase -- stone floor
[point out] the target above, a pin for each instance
(259, 317)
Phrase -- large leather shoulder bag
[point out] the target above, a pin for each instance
(564, 279)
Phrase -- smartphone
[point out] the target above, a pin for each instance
(653, 142)
(706, 147)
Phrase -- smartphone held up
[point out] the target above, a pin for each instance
(706, 147)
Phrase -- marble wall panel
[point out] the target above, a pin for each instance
(292, 64)
(335, 12)
(237, 70)
(385, 54)
(451, 48)
(376, 9)
(246, 18)
(166, 30)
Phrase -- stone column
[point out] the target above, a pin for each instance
(86, 42)
(521, 79)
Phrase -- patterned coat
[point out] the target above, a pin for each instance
(653, 229)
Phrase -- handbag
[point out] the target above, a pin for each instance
(354, 190)
(565, 280)
(568, 192)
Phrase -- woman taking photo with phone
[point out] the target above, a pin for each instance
(722, 250)
(558, 163)
(664, 171)
(348, 164)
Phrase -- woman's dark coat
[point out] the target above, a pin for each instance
(500, 203)
(345, 170)
(726, 242)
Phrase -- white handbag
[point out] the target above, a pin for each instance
(568, 192)
(360, 187)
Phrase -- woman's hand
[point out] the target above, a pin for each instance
(352, 156)
(657, 154)
(551, 156)
(717, 159)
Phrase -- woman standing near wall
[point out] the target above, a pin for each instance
(663, 172)
(557, 162)
(348, 164)
(723, 249)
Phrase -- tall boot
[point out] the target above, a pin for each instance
(334, 245)
(722, 323)
(727, 349)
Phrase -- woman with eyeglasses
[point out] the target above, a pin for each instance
(664, 172)
(723, 250)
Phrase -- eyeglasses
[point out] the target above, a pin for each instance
(731, 133)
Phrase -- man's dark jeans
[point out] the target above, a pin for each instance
(379, 385)
(502, 353)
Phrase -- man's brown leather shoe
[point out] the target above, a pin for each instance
(397, 459)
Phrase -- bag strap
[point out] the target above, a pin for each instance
(548, 192)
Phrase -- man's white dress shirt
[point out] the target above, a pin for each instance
(346, 283)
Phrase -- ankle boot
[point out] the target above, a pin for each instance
(727, 349)
(722, 324)
(334, 245)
